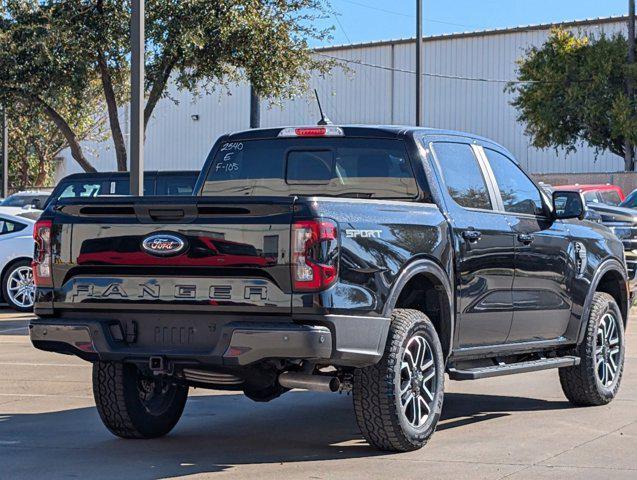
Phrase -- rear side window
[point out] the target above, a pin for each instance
(462, 175)
(8, 226)
(356, 167)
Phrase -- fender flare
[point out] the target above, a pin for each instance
(608, 265)
(432, 269)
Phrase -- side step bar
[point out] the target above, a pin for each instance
(511, 368)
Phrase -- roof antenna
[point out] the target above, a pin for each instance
(324, 120)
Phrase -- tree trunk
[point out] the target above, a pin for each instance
(40, 178)
(69, 135)
(24, 175)
(111, 103)
(61, 124)
(157, 89)
(629, 161)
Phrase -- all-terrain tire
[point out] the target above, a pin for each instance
(581, 383)
(121, 395)
(377, 388)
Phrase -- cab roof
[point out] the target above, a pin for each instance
(369, 131)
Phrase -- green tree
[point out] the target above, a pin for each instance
(56, 49)
(200, 44)
(37, 73)
(572, 89)
(35, 142)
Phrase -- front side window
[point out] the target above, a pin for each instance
(462, 175)
(519, 194)
(17, 200)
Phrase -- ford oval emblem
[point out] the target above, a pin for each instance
(164, 244)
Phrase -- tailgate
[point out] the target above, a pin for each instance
(173, 253)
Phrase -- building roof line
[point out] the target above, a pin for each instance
(478, 33)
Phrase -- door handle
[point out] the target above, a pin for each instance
(525, 238)
(472, 236)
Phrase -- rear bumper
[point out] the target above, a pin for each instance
(331, 339)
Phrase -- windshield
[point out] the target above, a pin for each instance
(356, 167)
(631, 201)
(93, 187)
(24, 200)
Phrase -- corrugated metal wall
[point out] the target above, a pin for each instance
(375, 95)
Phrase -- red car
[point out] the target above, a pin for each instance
(607, 194)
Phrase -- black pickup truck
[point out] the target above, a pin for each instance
(370, 259)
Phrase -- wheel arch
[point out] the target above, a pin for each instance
(610, 277)
(419, 277)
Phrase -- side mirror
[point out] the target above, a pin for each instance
(568, 204)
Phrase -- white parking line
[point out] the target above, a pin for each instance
(14, 330)
(25, 364)
(37, 395)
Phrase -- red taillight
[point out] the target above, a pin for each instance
(314, 255)
(42, 254)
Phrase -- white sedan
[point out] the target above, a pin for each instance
(16, 253)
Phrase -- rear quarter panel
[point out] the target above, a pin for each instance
(378, 240)
(16, 245)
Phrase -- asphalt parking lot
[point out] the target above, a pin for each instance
(518, 427)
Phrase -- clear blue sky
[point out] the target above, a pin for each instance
(369, 20)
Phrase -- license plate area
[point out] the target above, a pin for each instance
(166, 335)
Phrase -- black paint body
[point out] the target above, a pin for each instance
(504, 296)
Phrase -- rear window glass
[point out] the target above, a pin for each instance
(357, 167)
(591, 197)
(310, 167)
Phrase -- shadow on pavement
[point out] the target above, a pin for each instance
(216, 431)
(12, 322)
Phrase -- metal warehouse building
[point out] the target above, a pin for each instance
(464, 89)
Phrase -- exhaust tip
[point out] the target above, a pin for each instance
(303, 381)
(334, 384)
